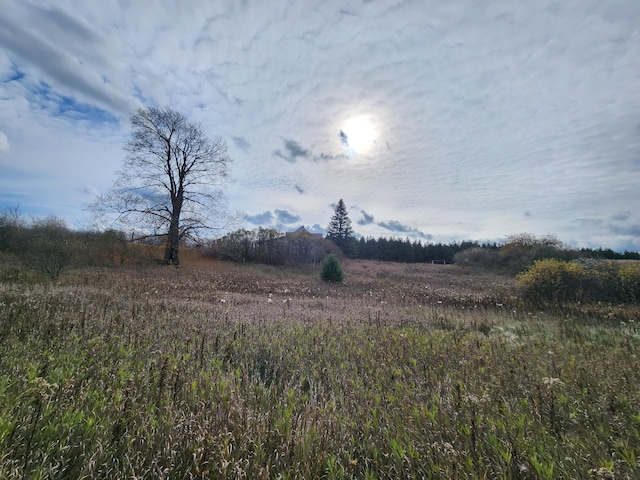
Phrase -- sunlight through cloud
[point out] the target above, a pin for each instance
(358, 134)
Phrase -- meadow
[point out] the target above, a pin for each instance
(220, 370)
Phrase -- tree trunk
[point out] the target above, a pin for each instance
(173, 242)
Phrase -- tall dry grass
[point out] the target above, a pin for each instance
(220, 371)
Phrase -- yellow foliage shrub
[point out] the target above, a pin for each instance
(554, 281)
(630, 281)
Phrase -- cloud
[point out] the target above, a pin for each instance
(621, 216)
(395, 226)
(344, 139)
(366, 218)
(91, 191)
(316, 229)
(264, 218)
(66, 68)
(56, 104)
(292, 152)
(327, 157)
(398, 227)
(588, 223)
(625, 224)
(241, 143)
(279, 219)
(4, 143)
(625, 230)
(66, 24)
(286, 218)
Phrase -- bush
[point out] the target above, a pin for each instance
(600, 280)
(551, 281)
(51, 246)
(629, 274)
(331, 270)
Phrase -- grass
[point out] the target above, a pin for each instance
(216, 370)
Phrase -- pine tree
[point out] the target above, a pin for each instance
(340, 231)
(331, 270)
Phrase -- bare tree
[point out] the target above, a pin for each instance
(171, 182)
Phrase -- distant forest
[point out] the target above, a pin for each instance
(49, 246)
(518, 252)
(398, 250)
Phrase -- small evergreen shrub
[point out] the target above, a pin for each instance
(331, 270)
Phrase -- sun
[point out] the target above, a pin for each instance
(358, 134)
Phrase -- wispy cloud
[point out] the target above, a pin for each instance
(399, 228)
(344, 139)
(285, 217)
(279, 219)
(292, 151)
(316, 229)
(327, 157)
(366, 218)
(241, 143)
(4, 142)
(264, 218)
(31, 43)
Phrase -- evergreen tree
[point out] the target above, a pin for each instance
(331, 270)
(340, 231)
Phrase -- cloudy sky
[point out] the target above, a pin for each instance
(440, 121)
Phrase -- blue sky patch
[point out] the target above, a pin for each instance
(44, 97)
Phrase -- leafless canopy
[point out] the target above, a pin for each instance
(172, 179)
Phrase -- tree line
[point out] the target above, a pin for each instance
(49, 246)
(516, 254)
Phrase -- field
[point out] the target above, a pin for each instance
(219, 370)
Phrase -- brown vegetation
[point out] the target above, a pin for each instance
(223, 370)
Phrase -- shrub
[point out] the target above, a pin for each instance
(629, 274)
(552, 281)
(51, 246)
(556, 282)
(600, 280)
(331, 270)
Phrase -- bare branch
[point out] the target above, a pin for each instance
(171, 180)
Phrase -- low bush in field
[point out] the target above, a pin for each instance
(331, 270)
(557, 282)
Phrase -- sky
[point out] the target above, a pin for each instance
(436, 121)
